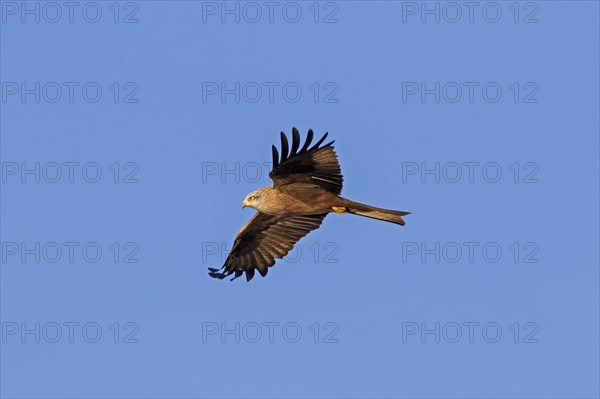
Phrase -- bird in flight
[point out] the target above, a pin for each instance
(307, 183)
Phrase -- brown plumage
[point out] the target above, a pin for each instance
(307, 183)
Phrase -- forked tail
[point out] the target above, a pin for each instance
(369, 211)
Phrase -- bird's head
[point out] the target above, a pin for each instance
(255, 199)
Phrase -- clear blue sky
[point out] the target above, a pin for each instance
(483, 123)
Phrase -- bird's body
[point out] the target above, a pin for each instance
(307, 183)
(297, 199)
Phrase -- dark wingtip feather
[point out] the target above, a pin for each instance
(309, 138)
(284, 147)
(295, 141)
(249, 274)
(263, 274)
(319, 142)
(215, 273)
(238, 273)
(275, 157)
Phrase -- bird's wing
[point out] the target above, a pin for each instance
(262, 240)
(316, 165)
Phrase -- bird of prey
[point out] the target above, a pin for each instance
(307, 183)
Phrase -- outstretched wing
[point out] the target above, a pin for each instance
(262, 240)
(316, 165)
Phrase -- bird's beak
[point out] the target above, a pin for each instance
(244, 204)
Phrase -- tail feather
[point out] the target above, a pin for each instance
(387, 215)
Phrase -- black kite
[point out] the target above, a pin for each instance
(307, 183)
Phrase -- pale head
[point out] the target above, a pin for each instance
(256, 198)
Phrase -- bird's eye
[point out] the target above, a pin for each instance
(252, 198)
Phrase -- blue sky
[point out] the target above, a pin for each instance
(131, 132)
